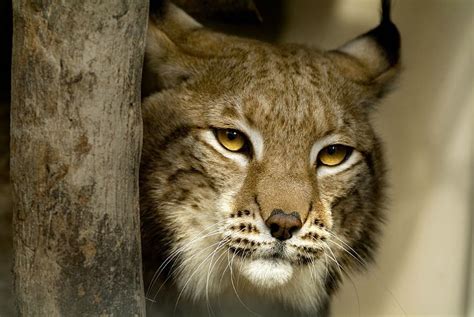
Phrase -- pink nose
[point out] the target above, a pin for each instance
(282, 225)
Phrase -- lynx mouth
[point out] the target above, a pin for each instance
(267, 272)
(270, 269)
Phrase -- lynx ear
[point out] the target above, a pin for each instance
(171, 19)
(166, 63)
(373, 57)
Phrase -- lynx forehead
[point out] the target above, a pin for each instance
(259, 162)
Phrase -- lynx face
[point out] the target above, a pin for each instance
(259, 162)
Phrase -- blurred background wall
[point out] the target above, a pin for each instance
(423, 267)
(425, 263)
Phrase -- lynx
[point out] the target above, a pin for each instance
(262, 179)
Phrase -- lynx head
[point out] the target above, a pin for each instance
(259, 160)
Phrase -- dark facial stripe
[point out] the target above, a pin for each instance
(182, 172)
(179, 133)
(369, 160)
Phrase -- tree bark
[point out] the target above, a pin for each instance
(75, 151)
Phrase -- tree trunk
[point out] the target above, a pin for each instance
(75, 150)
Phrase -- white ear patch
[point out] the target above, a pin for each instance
(267, 273)
(366, 50)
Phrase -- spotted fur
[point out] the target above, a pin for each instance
(204, 209)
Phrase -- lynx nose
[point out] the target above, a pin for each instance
(282, 225)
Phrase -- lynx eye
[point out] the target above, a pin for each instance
(334, 154)
(232, 140)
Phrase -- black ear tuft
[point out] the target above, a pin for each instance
(158, 7)
(373, 57)
(386, 35)
(386, 7)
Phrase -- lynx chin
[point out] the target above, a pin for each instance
(262, 179)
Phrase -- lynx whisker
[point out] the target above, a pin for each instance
(311, 266)
(349, 249)
(235, 289)
(333, 257)
(172, 256)
(360, 261)
(209, 272)
(180, 250)
(219, 245)
(174, 271)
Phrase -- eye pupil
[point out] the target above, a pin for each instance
(231, 135)
(331, 150)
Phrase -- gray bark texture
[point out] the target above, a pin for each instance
(75, 150)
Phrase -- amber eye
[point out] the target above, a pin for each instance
(232, 140)
(333, 155)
